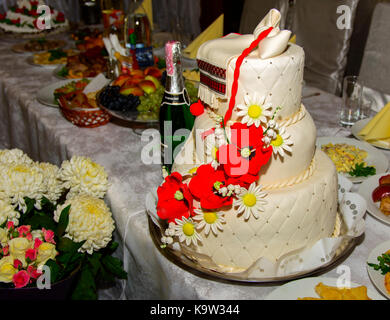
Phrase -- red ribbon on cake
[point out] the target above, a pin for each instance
(239, 61)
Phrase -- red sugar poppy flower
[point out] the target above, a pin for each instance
(174, 199)
(205, 184)
(246, 153)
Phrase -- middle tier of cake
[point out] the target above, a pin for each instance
(279, 171)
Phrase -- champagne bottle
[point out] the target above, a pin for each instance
(176, 120)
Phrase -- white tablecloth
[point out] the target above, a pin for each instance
(45, 135)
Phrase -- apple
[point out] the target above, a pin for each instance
(137, 72)
(121, 80)
(132, 82)
(147, 86)
(136, 91)
(380, 192)
(153, 71)
(384, 180)
(156, 82)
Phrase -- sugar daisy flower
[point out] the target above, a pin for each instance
(282, 142)
(209, 220)
(251, 201)
(255, 110)
(185, 229)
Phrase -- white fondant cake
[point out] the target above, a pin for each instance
(22, 18)
(287, 199)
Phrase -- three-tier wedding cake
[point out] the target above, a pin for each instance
(249, 182)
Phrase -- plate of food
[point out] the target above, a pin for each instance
(82, 110)
(357, 160)
(50, 58)
(136, 97)
(323, 288)
(50, 94)
(378, 267)
(86, 64)
(376, 191)
(359, 125)
(38, 45)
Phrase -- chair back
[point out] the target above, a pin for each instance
(324, 29)
(375, 67)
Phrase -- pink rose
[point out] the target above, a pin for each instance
(23, 231)
(21, 279)
(18, 264)
(33, 272)
(37, 243)
(31, 254)
(10, 225)
(6, 250)
(48, 235)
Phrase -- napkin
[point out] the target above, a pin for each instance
(378, 128)
(96, 84)
(215, 30)
(293, 39)
(146, 7)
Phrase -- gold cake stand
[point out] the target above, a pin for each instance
(192, 266)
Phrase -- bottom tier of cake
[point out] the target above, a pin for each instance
(295, 217)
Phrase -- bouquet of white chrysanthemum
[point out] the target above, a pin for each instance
(63, 208)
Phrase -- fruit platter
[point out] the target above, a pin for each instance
(136, 97)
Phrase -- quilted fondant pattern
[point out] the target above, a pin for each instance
(278, 79)
(294, 217)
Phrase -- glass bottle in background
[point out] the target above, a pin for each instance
(175, 106)
(113, 16)
(138, 34)
(90, 12)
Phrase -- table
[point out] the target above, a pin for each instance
(45, 135)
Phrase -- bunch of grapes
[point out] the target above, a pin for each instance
(113, 100)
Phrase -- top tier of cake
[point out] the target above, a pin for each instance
(275, 77)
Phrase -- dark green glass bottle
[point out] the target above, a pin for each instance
(176, 120)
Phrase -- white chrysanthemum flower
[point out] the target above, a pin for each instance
(255, 111)
(14, 156)
(281, 143)
(8, 213)
(89, 219)
(251, 201)
(209, 220)
(82, 175)
(18, 181)
(52, 183)
(185, 229)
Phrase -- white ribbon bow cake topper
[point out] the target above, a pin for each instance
(276, 42)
